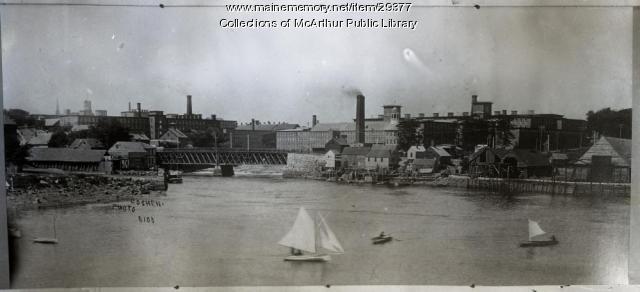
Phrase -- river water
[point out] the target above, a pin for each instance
(213, 231)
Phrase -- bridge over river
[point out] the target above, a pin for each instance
(191, 159)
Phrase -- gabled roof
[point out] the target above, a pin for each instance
(51, 122)
(440, 151)
(88, 143)
(65, 155)
(139, 137)
(338, 140)
(381, 151)
(356, 151)
(77, 128)
(173, 132)
(622, 146)
(418, 148)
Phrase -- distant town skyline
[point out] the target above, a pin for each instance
(561, 61)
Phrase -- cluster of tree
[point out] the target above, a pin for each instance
(611, 123)
(210, 137)
(23, 118)
(107, 131)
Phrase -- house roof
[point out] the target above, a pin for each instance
(379, 150)
(88, 143)
(268, 127)
(356, 151)
(31, 136)
(139, 136)
(440, 151)
(77, 128)
(622, 146)
(51, 122)
(338, 140)
(65, 155)
(418, 148)
(173, 132)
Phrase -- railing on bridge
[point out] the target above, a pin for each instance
(222, 156)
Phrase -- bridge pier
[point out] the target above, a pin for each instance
(226, 170)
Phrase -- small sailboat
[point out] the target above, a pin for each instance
(303, 237)
(535, 230)
(48, 240)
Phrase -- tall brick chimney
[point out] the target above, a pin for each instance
(139, 113)
(189, 109)
(314, 121)
(360, 118)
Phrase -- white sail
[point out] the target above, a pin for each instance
(534, 229)
(302, 235)
(328, 239)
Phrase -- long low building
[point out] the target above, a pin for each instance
(68, 159)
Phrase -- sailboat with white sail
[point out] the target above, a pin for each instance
(535, 230)
(310, 235)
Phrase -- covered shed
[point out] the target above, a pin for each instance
(133, 155)
(68, 159)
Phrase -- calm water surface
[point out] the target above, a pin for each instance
(213, 231)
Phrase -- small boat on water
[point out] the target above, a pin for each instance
(309, 235)
(535, 230)
(381, 239)
(175, 177)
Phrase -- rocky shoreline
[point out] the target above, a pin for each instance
(37, 191)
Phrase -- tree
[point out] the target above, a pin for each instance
(474, 131)
(608, 122)
(59, 139)
(22, 118)
(409, 134)
(109, 131)
(501, 130)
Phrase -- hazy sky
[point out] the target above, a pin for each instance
(551, 60)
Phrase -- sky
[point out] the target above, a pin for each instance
(551, 60)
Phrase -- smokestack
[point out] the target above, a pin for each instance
(139, 114)
(474, 98)
(129, 106)
(314, 121)
(253, 124)
(360, 118)
(189, 112)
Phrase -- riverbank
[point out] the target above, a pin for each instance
(37, 191)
